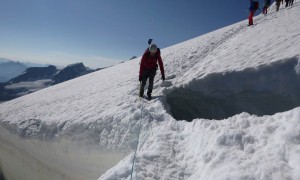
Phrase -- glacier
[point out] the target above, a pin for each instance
(91, 126)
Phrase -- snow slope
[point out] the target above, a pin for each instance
(89, 127)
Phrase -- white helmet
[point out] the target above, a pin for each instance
(153, 48)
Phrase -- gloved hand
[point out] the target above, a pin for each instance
(163, 77)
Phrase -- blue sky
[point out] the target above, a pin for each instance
(104, 32)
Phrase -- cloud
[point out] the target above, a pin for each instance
(61, 58)
(90, 61)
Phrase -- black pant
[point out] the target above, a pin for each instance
(147, 74)
(277, 5)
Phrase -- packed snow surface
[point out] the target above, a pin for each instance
(248, 78)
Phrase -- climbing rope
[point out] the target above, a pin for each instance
(140, 125)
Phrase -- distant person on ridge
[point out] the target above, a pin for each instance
(278, 4)
(266, 6)
(291, 2)
(287, 3)
(148, 67)
(254, 5)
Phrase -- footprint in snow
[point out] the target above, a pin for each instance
(166, 83)
(170, 77)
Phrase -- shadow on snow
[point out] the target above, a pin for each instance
(263, 90)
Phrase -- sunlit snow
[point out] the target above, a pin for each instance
(239, 86)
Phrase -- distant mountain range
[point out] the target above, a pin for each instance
(34, 74)
(10, 69)
(4, 60)
(70, 72)
(26, 80)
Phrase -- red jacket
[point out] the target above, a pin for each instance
(149, 62)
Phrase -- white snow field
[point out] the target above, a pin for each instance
(229, 109)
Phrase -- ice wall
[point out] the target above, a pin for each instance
(263, 90)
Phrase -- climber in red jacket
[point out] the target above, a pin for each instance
(148, 67)
(254, 5)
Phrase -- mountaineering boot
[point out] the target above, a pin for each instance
(149, 96)
(141, 94)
